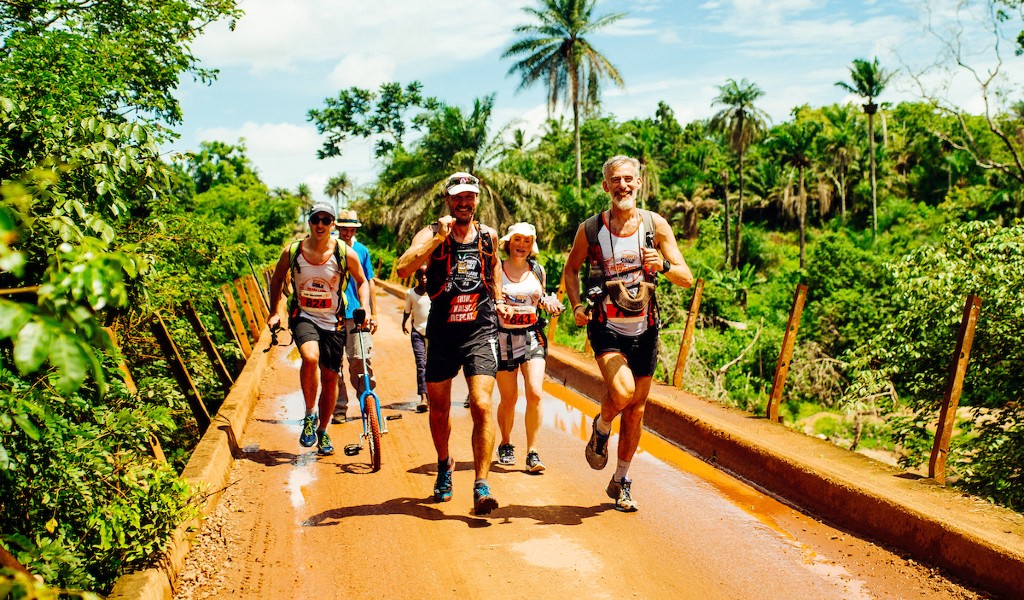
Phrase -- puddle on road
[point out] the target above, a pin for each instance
(560, 553)
(573, 413)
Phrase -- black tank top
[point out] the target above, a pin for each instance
(459, 293)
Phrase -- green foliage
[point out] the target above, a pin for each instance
(912, 351)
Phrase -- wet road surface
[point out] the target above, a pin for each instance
(294, 525)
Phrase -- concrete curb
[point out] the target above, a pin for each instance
(973, 540)
(207, 470)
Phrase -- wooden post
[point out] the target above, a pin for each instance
(553, 326)
(207, 344)
(684, 344)
(954, 385)
(786, 353)
(121, 366)
(259, 305)
(236, 319)
(180, 372)
(243, 300)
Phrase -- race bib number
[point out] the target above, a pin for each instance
(316, 297)
(522, 316)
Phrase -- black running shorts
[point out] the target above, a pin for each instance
(475, 352)
(641, 351)
(332, 343)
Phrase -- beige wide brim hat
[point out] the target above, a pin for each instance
(348, 218)
(523, 229)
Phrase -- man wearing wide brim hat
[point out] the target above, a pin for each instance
(359, 356)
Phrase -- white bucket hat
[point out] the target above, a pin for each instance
(523, 229)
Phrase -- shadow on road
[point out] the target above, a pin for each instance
(425, 508)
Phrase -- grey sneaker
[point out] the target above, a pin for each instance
(533, 464)
(423, 406)
(506, 454)
(308, 436)
(483, 501)
(619, 491)
(597, 448)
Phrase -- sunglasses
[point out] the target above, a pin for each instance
(454, 181)
(321, 220)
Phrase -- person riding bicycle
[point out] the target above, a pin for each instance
(464, 284)
(319, 266)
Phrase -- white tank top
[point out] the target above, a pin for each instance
(523, 297)
(623, 254)
(318, 287)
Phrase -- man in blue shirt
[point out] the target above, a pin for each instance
(347, 223)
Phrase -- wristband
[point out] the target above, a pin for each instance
(665, 266)
(575, 307)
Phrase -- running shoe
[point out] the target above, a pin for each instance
(533, 464)
(443, 485)
(308, 436)
(422, 407)
(506, 454)
(323, 444)
(619, 491)
(483, 501)
(597, 448)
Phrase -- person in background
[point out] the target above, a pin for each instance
(347, 224)
(622, 246)
(522, 346)
(417, 306)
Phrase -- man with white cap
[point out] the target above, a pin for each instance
(464, 284)
(320, 267)
(347, 223)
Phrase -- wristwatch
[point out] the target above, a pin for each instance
(665, 266)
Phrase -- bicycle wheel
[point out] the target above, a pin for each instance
(373, 440)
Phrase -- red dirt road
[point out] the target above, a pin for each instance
(294, 525)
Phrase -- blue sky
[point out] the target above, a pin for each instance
(285, 57)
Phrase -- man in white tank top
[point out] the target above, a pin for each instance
(623, 325)
(317, 330)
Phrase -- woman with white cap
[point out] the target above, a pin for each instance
(521, 342)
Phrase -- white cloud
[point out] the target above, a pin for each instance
(283, 153)
(360, 70)
(282, 35)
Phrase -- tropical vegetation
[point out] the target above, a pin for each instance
(890, 230)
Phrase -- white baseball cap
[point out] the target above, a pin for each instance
(461, 182)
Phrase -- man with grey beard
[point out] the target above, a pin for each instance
(622, 247)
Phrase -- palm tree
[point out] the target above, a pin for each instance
(338, 186)
(305, 196)
(794, 144)
(838, 142)
(742, 123)
(412, 182)
(555, 51)
(869, 81)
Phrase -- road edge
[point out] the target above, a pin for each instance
(207, 470)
